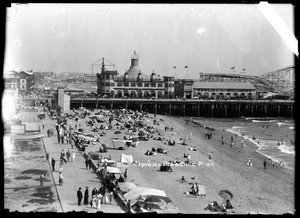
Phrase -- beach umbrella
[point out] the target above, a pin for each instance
(142, 191)
(156, 198)
(226, 194)
(153, 206)
(127, 185)
(118, 132)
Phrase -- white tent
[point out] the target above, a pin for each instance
(141, 191)
(127, 159)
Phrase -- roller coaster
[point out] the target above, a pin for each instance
(281, 81)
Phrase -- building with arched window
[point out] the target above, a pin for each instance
(134, 83)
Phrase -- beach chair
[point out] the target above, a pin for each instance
(201, 190)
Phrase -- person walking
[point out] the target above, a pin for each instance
(73, 156)
(86, 196)
(53, 164)
(86, 163)
(42, 179)
(58, 136)
(62, 138)
(60, 179)
(68, 155)
(62, 155)
(94, 201)
(98, 201)
(61, 163)
(265, 164)
(90, 163)
(79, 196)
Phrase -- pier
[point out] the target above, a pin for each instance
(194, 107)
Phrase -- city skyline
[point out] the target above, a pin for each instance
(195, 38)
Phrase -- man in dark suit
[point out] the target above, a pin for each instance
(53, 164)
(79, 196)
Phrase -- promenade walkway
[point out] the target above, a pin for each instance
(75, 175)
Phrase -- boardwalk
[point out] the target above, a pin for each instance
(75, 176)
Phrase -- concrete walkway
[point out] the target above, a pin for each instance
(74, 173)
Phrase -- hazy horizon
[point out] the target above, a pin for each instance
(205, 37)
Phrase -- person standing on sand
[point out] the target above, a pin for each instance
(79, 196)
(231, 145)
(265, 164)
(280, 165)
(196, 189)
(41, 179)
(249, 163)
(209, 158)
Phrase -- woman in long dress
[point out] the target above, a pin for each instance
(73, 156)
(60, 179)
(98, 204)
(94, 201)
(86, 196)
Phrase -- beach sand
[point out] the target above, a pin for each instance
(21, 179)
(255, 189)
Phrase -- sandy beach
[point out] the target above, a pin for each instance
(255, 189)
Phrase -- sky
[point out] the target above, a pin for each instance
(208, 38)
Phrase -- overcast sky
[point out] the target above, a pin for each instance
(206, 38)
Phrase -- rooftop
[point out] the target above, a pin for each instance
(222, 85)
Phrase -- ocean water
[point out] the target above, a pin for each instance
(275, 137)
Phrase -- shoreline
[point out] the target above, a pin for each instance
(251, 142)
